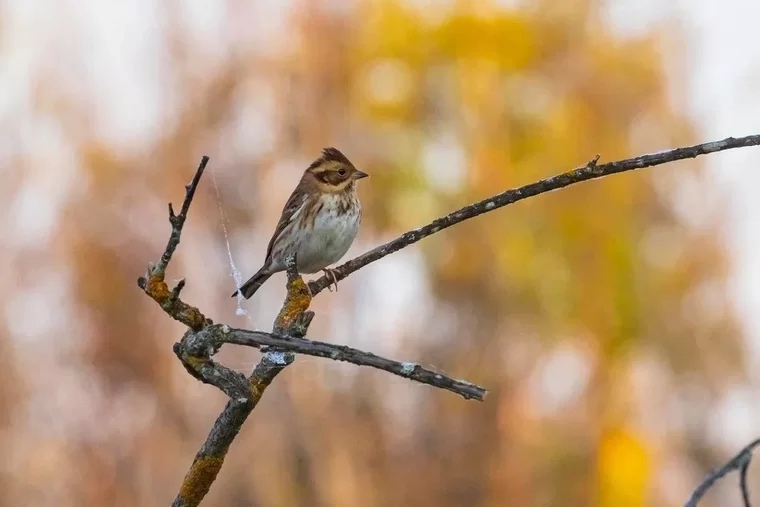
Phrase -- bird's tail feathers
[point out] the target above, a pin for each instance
(252, 285)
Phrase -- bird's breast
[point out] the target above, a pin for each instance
(333, 229)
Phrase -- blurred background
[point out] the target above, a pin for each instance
(614, 322)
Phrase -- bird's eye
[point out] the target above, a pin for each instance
(342, 171)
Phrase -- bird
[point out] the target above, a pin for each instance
(319, 221)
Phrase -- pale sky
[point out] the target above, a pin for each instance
(722, 64)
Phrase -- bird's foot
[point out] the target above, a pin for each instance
(329, 273)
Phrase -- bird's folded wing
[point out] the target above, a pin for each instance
(293, 208)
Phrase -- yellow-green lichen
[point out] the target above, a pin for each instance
(296, 302)
(192, 317)
(258, 386)
(157, 288)
(195, 362)
(199, 479)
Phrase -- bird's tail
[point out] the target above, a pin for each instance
(253, 283)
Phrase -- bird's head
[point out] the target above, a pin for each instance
(333, 172)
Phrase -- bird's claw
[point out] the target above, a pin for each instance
(330, 274)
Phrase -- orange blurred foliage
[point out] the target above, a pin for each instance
(596, 316)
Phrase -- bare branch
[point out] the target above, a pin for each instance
(198, 347)
(590, 171)
(178, 221)
(408, 370)
(740, 462)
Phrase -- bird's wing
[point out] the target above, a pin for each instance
(293, 207)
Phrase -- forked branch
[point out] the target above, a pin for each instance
(203, 339)
(293, 319)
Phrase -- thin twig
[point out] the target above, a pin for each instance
(590, 171)
(739, 462)
(178, 221)
(743, 482)
(154, 283)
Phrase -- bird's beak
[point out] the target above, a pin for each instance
(360, 174)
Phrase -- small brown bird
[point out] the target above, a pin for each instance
(318, 223)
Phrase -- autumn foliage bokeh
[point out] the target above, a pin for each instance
(597, 316)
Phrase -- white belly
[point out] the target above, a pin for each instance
(330, 239)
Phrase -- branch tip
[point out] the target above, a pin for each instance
(154, 285)
(177, 289)
(743, 481)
